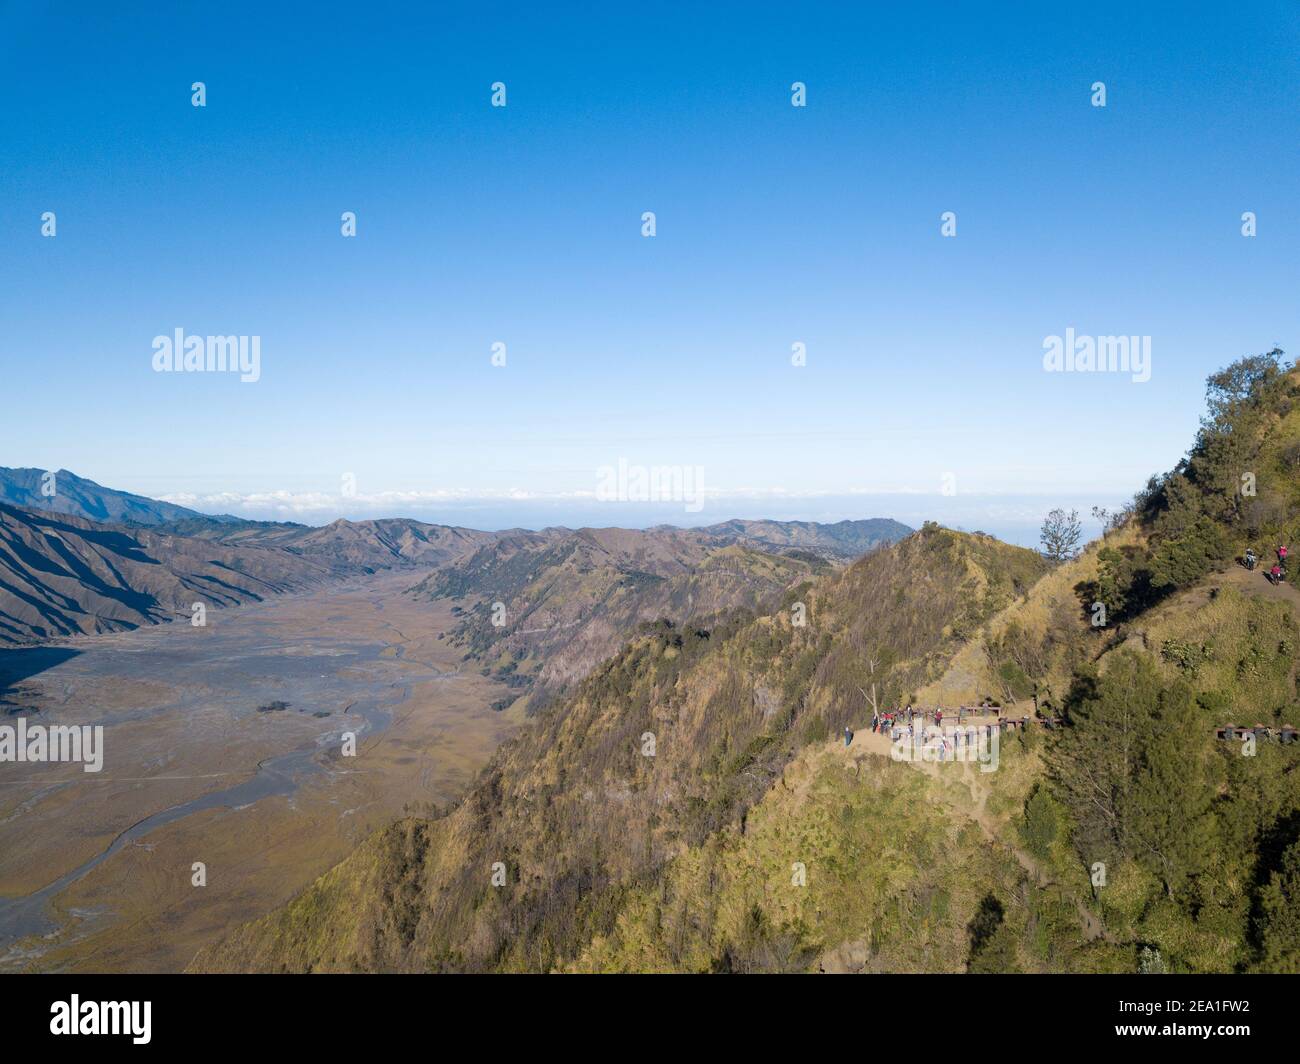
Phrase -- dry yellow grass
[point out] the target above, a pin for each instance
(970, 676)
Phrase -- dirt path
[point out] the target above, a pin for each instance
(1257, 584)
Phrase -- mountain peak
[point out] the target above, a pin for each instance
(64, 492)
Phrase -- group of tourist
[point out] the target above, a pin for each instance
(1277, 573)
(893, 721)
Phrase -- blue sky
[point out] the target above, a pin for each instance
(522, 225)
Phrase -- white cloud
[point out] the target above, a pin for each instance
(311, 503)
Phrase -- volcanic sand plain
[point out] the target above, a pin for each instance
(224, 747)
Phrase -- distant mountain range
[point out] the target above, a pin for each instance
(62, 575)
(82, 558)
(62, 492)
(845, 540)
(351, 546)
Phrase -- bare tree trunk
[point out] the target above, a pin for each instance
(871, 668)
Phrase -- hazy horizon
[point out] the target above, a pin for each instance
(1015, 518)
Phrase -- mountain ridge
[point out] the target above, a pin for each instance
(581, 847)
(729, 705)
(36, 609)
(61, 575)
(546, 607)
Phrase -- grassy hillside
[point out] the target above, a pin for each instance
(659, 750)
(894, 871)
(690, 807)
(1199, 837)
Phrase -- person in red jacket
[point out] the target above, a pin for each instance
(1281, 554)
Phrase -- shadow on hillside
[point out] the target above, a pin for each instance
(22, 663)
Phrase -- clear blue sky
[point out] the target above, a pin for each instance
(775, 224)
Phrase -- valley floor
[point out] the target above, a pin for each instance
(223, 747)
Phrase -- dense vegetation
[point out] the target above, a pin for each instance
(1195, 838)
(1236, 488)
